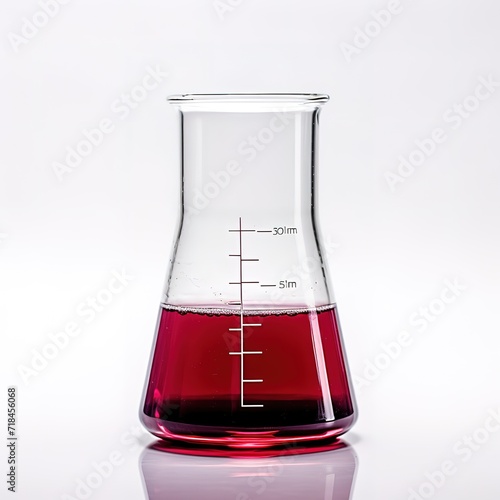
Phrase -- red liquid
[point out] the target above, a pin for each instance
(194, 392)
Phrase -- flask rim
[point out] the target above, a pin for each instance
(242, 101)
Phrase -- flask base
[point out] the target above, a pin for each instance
(249, 438)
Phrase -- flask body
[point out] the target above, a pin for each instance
(248, 349)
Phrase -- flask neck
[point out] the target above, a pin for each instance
(248, 162)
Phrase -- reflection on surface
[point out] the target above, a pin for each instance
(314, 473)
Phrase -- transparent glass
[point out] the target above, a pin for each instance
(248, 349)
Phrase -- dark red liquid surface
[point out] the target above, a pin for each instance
(194, 391)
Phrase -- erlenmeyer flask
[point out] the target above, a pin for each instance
(248, 350)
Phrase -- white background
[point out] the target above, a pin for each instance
(62, 239)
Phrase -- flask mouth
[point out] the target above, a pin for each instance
(248, 102)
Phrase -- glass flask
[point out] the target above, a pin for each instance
(248, 349)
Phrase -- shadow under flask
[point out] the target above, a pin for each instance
(248, 349)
